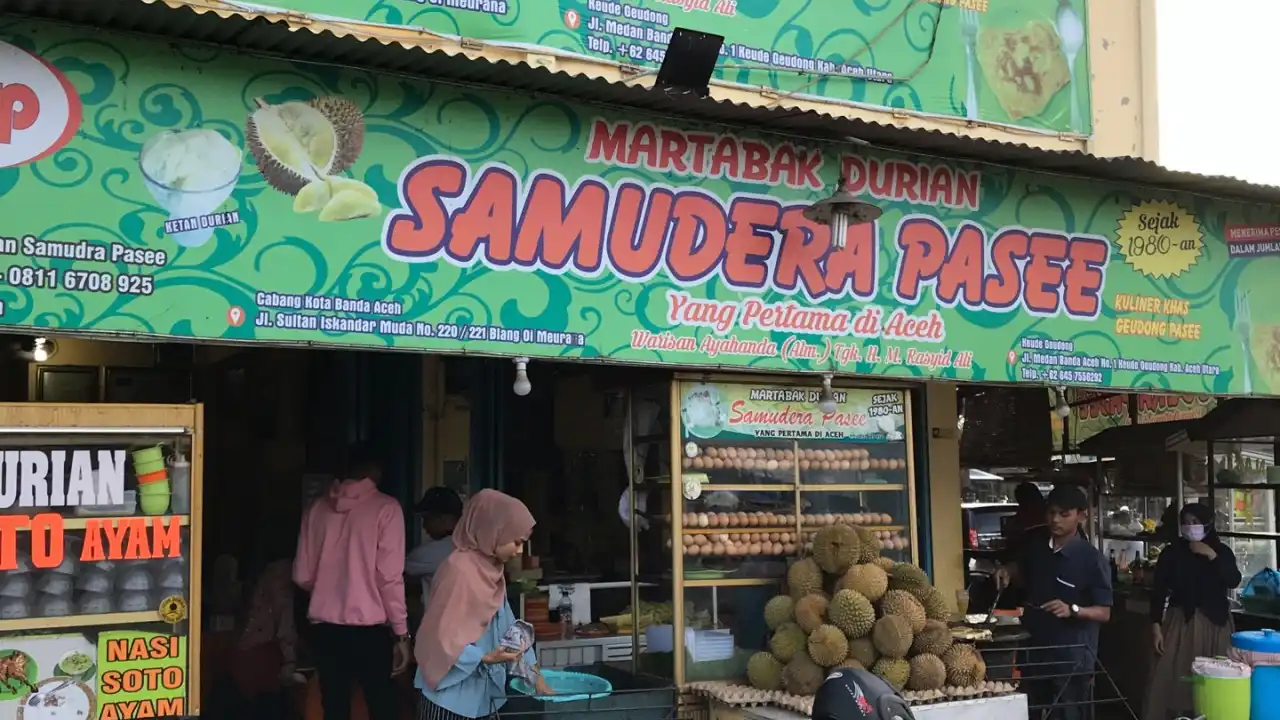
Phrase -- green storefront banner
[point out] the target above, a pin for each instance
(195, 193)
(1015, 62)
(726, 411)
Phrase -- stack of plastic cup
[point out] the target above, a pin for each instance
(154, 490)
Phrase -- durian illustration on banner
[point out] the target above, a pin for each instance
(302, 149)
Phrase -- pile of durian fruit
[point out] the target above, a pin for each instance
(849, 607)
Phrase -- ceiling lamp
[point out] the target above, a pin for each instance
(42, 349)
(840, 211)
(827, 399)
(522, 386)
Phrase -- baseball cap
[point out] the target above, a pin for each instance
(439, 501)
(1067, 497)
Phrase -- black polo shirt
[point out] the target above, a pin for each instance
(1076, 574)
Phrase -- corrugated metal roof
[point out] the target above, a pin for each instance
(297, 37)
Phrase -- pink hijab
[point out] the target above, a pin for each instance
(470, 586)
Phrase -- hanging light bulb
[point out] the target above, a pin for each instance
(827, 399)
(839, 212)
(42, 349)
(1060, 407)
(522, 386)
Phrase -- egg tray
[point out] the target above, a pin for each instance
(745, 696)
(987, 689)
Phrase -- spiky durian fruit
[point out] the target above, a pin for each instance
(828, 646)
(868, 580)
(927, 673)
(764, 672)
(964, 665)
(779, 610)
(802, 675)
(852, 613)
(869, 545)
(864, 651)
(787, 641)
(934, 639)
(836, 548)
(892, 636)
(894, 671)
(811, 611)
(906, 575)
(933, 602)
(903, 603)
(804, 577)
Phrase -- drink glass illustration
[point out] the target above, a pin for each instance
(190, 173)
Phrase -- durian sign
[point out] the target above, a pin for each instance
(746, 411)
(1009, 62)
(242, 199)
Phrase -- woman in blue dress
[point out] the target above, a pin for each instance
(462, 666)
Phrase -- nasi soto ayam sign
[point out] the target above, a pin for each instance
(337, 207)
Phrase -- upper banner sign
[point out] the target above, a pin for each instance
(152, 190)
(1014, 62)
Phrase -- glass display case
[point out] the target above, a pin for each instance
(1242, 492)
(762, 466)
(99, 549)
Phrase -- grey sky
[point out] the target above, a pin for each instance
(1216, 100)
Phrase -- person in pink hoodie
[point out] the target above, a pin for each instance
(351, 559)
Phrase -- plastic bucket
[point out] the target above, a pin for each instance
(151, 478)
(1222, 698)
(149, 467)
(1266, 692)
(154, 503)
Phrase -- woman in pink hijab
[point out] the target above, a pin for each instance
(462, 667)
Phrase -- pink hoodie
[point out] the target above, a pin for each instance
(351, 557)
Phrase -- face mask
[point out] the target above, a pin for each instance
(1194, 533)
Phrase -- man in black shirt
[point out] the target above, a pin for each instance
(1068, 586)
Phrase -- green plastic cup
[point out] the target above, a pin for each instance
(148, 455)
(154, 503)
(146, 468)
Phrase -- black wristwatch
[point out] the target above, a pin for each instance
(1075, 610)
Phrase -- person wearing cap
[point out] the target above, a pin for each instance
(1068, 586)
(439, 510)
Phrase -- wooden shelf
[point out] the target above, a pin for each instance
(80, 523)
(871, 487)
(733, 582)
(774, 487)
(78, 621)
(789, 529)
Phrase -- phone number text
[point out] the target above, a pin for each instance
(79, 280)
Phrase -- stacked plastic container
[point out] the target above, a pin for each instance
(1260, 649)
(154, 490)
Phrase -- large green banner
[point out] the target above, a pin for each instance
(189, 192)
(1012, 62)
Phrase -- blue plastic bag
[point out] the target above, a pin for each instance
(1265, 584)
